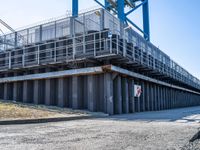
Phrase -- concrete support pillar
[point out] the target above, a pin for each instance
(118, 95)
(125, 96)
(108, 94)
(92, 93)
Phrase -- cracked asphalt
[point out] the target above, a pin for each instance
(164, 130)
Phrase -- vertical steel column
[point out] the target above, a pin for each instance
(152, 97)
(91, 93)
(143, 97)
(15, 91)
(155, 98)
(62, 91)
(106, 3)
(131, 96)
(147, 97)
(120, 10)
(76, 92)
(164, 98)
(25, 92)
(74, 8)
(118, 95)
(108, 94)
(145, 9)
(125, 96)
(48, 91)
(5, 95)
(159, 98)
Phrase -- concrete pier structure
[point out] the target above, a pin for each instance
(78, 64)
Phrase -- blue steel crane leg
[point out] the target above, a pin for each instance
(146, 27)
(120, 10)
(74, 8)
(107, 4)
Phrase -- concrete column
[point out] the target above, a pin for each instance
(125, 97)
(108, 94)
(118, 95)
(91, 93)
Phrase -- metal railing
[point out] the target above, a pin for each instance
(61, 41)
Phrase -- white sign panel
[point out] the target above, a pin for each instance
(137, 90)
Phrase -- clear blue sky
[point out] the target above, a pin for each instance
(175, 24)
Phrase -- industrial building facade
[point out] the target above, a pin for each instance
(92, 62)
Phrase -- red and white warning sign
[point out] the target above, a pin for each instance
(137, 90)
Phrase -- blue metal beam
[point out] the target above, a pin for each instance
(123, 16)
(146, 26)
(107, 4)
(120, 10)
(74, 8)
(105, 7)
(132, 10)
(138, 28)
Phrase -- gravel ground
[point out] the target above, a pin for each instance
(165, 130)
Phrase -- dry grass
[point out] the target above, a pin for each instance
(16, 111)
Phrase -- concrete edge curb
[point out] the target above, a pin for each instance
(45, 120)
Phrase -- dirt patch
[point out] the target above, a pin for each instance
(11, 110)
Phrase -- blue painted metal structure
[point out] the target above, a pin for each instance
(118, 7)
(74, 8)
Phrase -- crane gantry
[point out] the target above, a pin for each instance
(118, 7)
